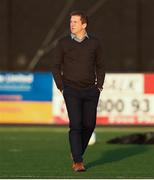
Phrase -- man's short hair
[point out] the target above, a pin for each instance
(83, 16)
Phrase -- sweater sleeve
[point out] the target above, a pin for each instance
(56, 66)
(100, 69)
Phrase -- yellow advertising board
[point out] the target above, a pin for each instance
(26, 98)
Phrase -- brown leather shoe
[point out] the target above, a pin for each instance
(78, 166)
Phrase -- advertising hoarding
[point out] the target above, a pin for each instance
(25, 98)
(127, 99)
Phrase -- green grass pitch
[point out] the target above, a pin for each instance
(43, 152)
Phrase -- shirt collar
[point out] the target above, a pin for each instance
(74, 36)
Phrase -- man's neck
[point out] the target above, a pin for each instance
(81, 34)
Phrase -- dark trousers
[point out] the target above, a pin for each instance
(82, 109)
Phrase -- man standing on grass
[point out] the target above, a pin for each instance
(78, 71)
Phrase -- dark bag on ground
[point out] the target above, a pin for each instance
(137, 138)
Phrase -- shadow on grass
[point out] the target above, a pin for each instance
(118, 154)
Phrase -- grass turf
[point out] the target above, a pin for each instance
(43, 152)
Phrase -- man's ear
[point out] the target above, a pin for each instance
(84, 25)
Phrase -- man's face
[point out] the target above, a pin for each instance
(76, 25)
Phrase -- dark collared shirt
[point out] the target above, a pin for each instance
(78, 64)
